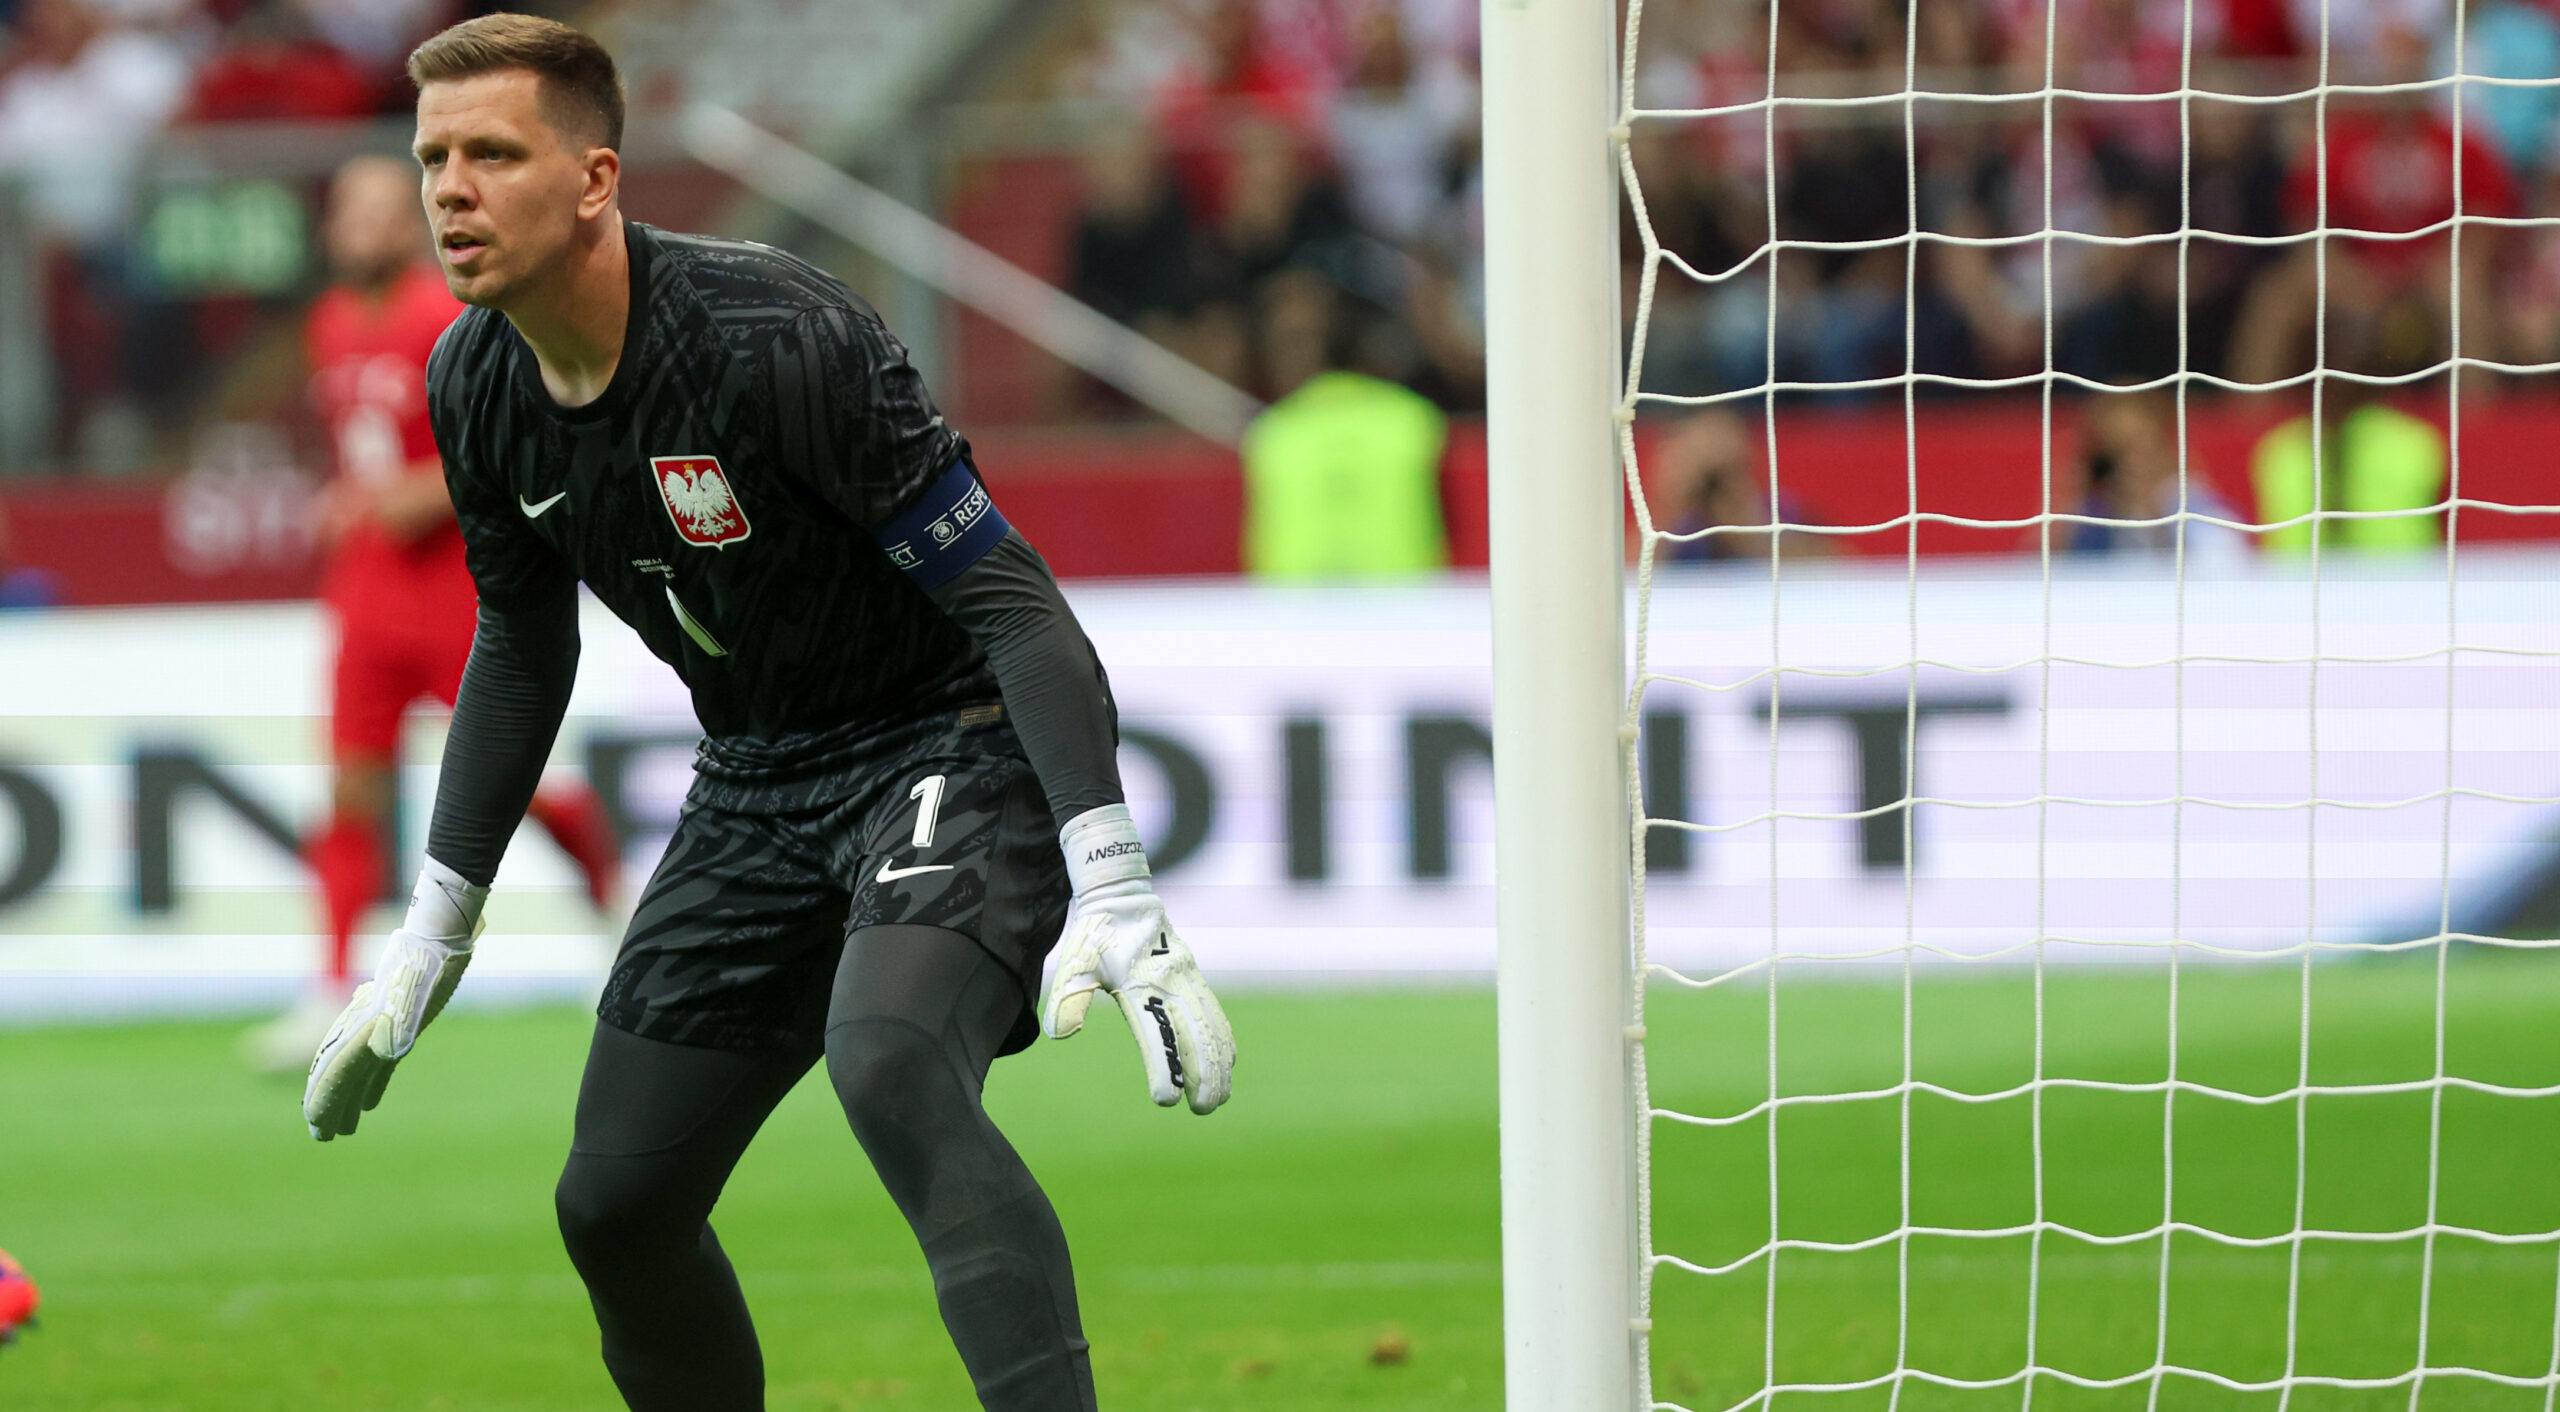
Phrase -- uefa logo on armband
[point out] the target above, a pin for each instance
(705, 510)
(947, 527)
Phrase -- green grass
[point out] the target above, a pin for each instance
(198, 1252)
(2104, 1161)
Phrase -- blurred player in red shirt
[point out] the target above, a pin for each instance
(404, 602)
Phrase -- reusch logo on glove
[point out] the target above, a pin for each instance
(1164, 1031)
(1121, 849)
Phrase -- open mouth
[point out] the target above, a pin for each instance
(458, 246)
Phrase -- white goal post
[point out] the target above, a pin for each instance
(1562, 817)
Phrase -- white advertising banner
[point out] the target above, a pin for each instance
(2102, 759)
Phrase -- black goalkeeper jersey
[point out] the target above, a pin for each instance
(721, 496)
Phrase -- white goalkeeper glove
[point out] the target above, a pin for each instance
(1118, 940)
(420, 966)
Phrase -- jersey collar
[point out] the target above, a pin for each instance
(641, 242)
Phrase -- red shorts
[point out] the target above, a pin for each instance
(386, 661)
(405, 619)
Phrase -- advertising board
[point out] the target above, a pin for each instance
(2104, 762)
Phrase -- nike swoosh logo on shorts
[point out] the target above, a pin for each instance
(533, 509)
(889, 874)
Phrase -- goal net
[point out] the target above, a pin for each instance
(2095, 671)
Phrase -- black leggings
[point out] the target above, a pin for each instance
(916, 1017)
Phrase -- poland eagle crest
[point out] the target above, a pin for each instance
(705, 510)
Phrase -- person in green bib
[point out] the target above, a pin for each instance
(2368, 456)
(1341, 475)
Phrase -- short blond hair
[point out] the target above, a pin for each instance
(581, 89)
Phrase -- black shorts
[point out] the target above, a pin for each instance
(939, 822)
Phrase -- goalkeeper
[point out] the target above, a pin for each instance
(899, 708)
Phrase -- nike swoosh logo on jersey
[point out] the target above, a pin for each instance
(889, 874)
(533, 509)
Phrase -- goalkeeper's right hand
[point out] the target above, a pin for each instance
(420, 966)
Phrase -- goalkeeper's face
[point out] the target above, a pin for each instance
(510, 193)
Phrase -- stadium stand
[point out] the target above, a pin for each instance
(1178, 163)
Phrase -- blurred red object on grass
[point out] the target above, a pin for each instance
(18, 1299)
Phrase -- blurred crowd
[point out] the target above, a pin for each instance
(2238, 166)
(1289, 190)
(86, 88)
(1289, 187)
(85, 85)
(1296, 166)
(1293, 199)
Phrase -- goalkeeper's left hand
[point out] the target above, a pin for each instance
(421, 964)
(1118, 940)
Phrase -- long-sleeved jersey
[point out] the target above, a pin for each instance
(735, 495)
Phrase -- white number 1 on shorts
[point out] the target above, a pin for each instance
(928, 789)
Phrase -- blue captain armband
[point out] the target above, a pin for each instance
(951, 526)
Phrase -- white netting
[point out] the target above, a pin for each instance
(2301, 1149)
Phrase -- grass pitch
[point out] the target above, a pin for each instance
(199, 1252)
